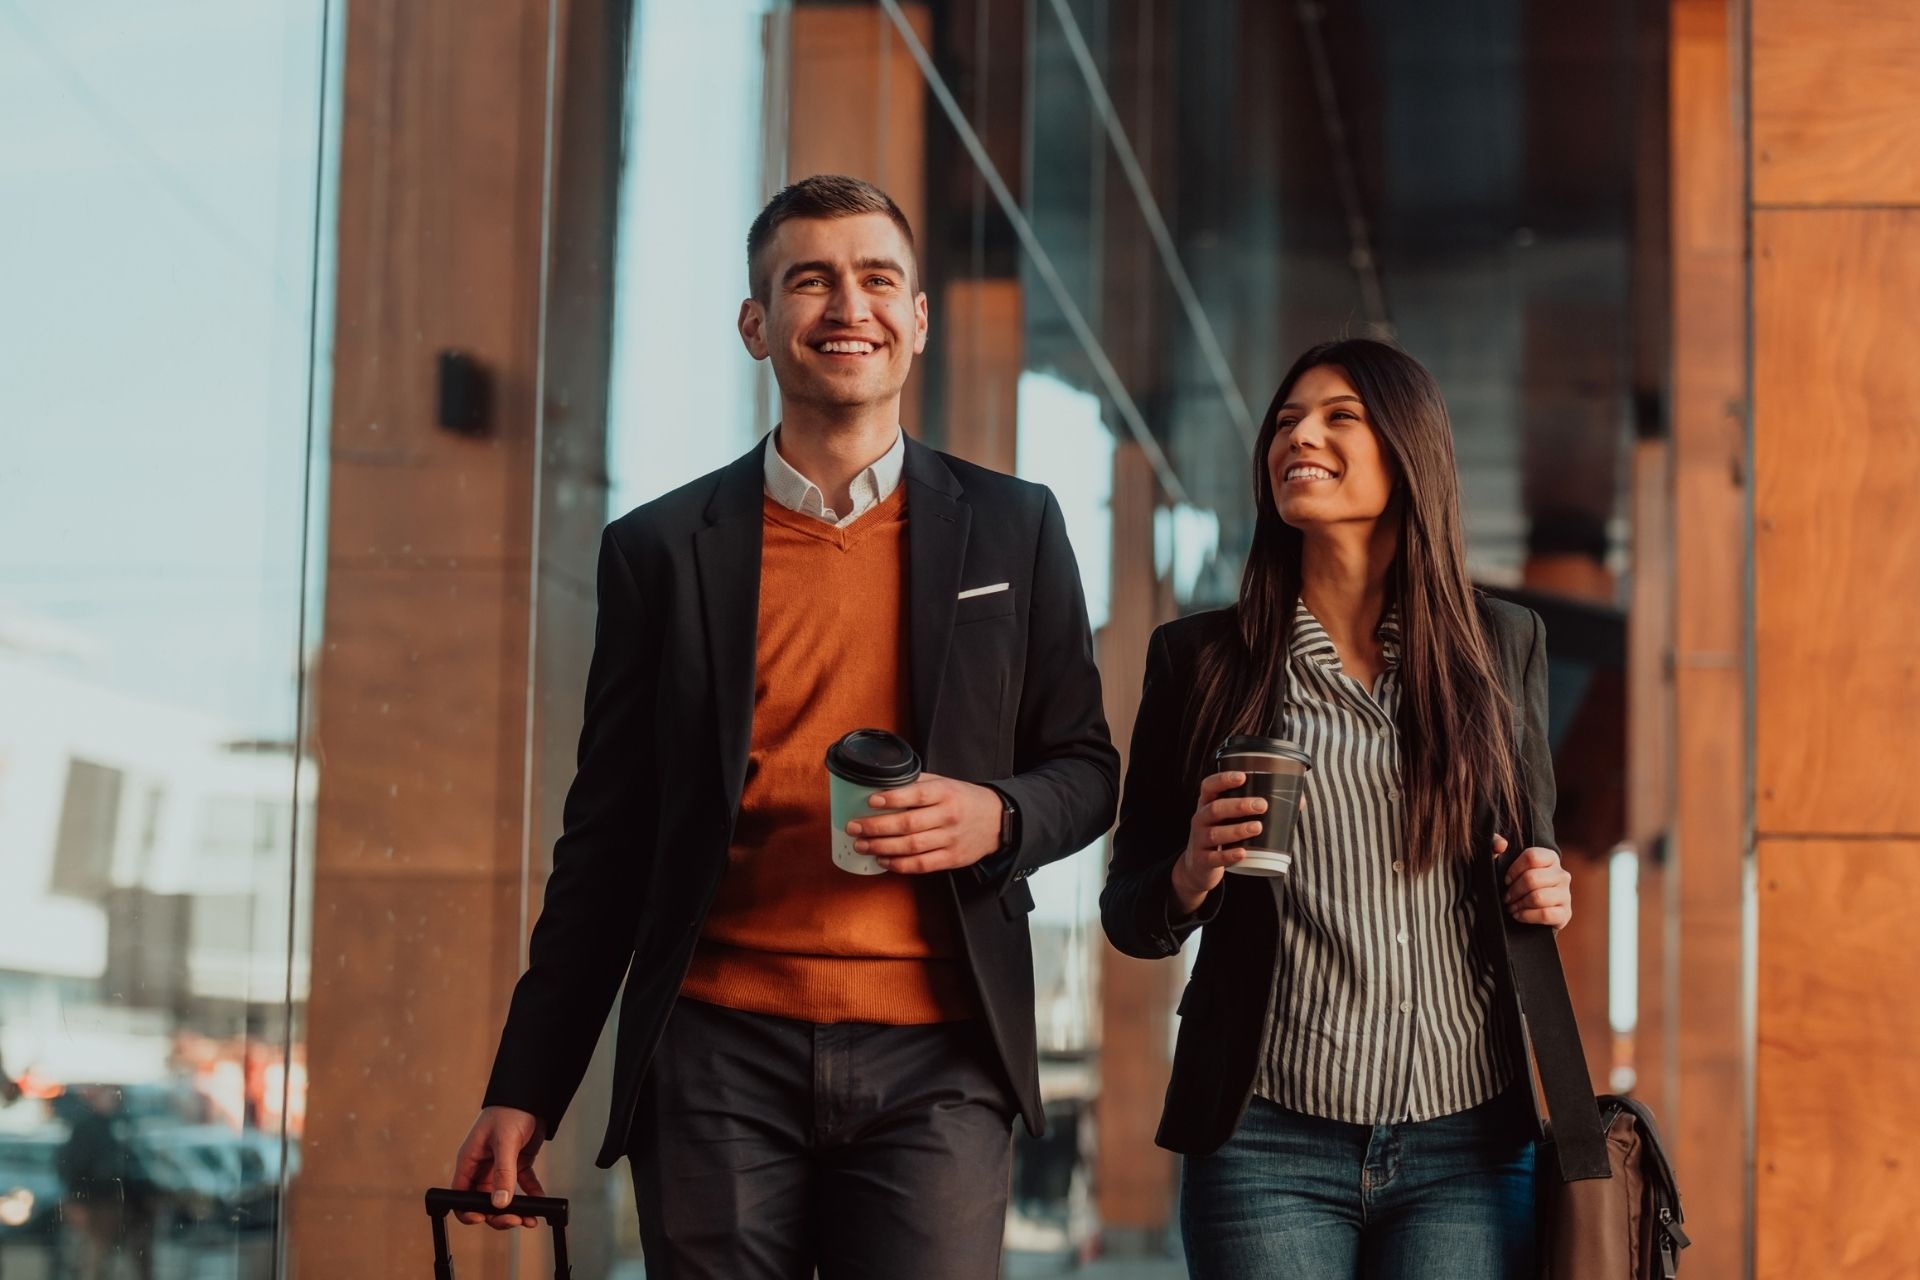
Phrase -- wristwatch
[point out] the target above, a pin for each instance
(1009, 823)
(991, 868)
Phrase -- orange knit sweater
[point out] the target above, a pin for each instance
(790, 933)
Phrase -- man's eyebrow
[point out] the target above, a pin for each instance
(821, 267)
(805, 269)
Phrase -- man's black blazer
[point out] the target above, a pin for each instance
(1003, 688)
(1223, 1009)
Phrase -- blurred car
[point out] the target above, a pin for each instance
(210, 1175)
(29, 1184)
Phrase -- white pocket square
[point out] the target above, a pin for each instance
(971, 592)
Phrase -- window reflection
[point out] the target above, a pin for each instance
(160, 305)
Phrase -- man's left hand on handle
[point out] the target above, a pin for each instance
(932, 824)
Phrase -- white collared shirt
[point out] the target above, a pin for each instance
(874, 485)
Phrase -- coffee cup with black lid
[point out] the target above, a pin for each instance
(858, 765)
(1276, 772)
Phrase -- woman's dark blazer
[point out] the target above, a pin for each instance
(1225, 1003)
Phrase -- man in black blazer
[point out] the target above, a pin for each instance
(748, 1159)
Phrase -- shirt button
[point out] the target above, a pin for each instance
(1401, 937)
(1393, 793)
(1406, 1006)
(1396, 866)
(1385, 732)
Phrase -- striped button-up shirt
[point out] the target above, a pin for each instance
(1382, 1005)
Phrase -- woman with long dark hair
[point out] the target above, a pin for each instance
(1349, 1088)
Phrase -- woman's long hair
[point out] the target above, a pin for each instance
(1456, 739)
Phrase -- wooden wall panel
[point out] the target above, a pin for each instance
(1836, 101)
(1837, 463)
(1835, 452)
(1838, 1076)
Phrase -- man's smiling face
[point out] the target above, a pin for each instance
(843, 318)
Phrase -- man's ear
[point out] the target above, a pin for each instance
(753, 323)
(919, 323)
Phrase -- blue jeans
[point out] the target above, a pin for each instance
(1294, 1197)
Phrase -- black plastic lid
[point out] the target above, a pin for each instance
(1241, 743)
(874, 758)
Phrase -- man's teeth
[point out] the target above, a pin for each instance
(847, 348)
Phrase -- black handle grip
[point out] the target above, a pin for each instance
(441, 1200)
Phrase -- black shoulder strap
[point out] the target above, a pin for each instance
(1552, 1033)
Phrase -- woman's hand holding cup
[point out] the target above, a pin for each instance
(1213, 839)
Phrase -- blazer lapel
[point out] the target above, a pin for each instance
(727, 552)
(937, 525)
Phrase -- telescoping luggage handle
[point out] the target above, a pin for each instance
(441, 1202)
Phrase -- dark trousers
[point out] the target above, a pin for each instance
(765, 1148)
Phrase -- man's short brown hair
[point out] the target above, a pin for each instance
(826, 195)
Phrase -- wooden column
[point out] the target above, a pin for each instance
(430, 841)
(1590, 820)
(1703, 892)
(1133, 1179)
(1836, 454)
(420, 724)
(857, 106)
(1650, 762)
(984, 344)
(1649, 813)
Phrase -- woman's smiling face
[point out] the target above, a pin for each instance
(1326, 465)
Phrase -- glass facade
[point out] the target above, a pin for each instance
(164, 319)
(1131, 216)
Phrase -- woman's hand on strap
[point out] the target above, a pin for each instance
(1539, 888)
(1213, 839)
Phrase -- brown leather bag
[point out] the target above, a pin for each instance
(1624, 1225)
(1608, 1204)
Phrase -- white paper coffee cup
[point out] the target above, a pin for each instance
(862, 763)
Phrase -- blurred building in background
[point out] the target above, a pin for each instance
(332, 331)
